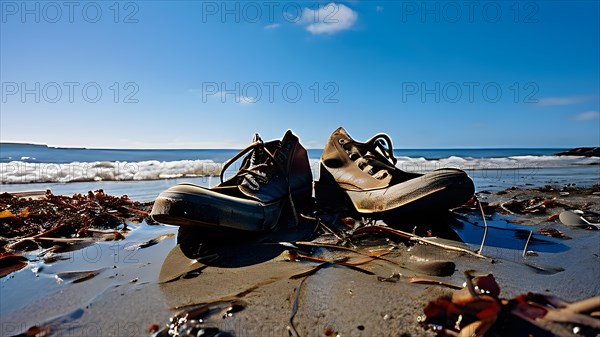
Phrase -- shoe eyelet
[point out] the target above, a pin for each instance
(342, 141)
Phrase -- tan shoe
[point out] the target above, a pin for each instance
(364, 176)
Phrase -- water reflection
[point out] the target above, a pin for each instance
(503, 234)
(231, 249)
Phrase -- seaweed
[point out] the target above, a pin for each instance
(478, 310)
(52, 216)
(33, 220)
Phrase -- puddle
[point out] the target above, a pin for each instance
(86, 273)
(505, 235)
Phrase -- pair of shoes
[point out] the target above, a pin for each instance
(277, 173)
(272, 175)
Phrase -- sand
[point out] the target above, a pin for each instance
(126, 297)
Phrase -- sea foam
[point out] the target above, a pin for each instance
(21, 172)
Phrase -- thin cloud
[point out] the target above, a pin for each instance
(226, 97)
(569, 100)
(272, 26)
(588, 116)
(379, 8)
(329, 19)
(247, 99)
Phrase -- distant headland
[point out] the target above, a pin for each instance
(582, 151)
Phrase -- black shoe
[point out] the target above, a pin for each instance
(272, 175)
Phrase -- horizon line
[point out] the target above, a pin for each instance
(308, 148)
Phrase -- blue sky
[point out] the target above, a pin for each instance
(208, 74)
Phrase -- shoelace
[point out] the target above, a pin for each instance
(256, 173)
(387, 154)
(378, 151)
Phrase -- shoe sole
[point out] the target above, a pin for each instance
(204, 208)
(438, 190)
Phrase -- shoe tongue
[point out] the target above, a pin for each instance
(257, 156)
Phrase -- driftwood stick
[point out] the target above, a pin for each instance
(414, 237)
(527, 243)
(485, 224)
(506, 209)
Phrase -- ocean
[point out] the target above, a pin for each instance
(142, 174)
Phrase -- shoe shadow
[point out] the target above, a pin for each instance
(233, 249)
(441, 224)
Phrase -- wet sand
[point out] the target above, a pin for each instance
(126, 296)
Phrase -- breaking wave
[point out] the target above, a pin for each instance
(21, 172)
(422, 164)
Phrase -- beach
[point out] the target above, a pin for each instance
(256, 284)
(299, 169)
